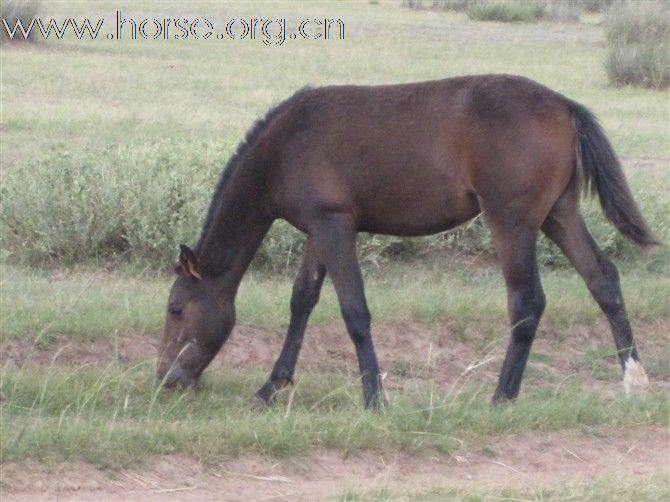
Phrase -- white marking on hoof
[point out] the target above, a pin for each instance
(635, 379)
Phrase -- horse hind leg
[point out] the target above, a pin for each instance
(515, 244)
(566, 227)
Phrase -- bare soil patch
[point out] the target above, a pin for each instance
(522, 461)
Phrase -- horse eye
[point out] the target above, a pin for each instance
(174, 310)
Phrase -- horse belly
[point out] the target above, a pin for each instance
(412, 213)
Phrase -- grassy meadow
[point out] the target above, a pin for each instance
(99, 138)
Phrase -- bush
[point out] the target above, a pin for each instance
(638, 36)
(457, 5)
(516, 11)
(136, 200)
(137, 203)
(561, 11)
(596, 5)
(11, 10)
(506, 12)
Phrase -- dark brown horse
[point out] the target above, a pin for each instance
(410, 159)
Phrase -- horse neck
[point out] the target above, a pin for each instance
(237, 229)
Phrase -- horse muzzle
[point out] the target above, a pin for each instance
(177, 375)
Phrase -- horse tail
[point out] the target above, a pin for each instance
(602, 173)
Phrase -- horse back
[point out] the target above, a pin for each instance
(415, 159)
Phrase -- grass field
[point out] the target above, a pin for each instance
(81, 414)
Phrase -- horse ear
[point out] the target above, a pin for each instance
(188, 262)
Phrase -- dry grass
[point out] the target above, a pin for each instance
(638, 36)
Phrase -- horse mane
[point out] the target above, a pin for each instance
(251, 137)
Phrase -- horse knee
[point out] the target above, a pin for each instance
(358, 321)
(305, 295)
(303, 300)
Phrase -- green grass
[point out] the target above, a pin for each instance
(89, 304)
(654, 487)
(55, 97)
(115, 415)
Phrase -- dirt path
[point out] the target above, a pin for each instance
(517, 461)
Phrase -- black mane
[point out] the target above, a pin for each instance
(233, 163)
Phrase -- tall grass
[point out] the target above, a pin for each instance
(139, 200)
(87, 305)
(506, 12)
(638, 37)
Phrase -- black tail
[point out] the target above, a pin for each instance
(603, 174)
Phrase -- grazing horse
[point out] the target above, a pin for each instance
(411, 159)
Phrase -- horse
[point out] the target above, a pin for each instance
(408, 160)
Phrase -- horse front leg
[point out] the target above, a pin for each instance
(335, 242)
(306, 290)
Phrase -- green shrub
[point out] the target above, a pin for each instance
(457, 5)
(506, 12)
(516, 11)
(561, 11)
(139, 202)
(596, 5)
(638, 37)
(11, 10)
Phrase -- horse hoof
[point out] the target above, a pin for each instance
(501, 400)
(635, 380)
(376, 404)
